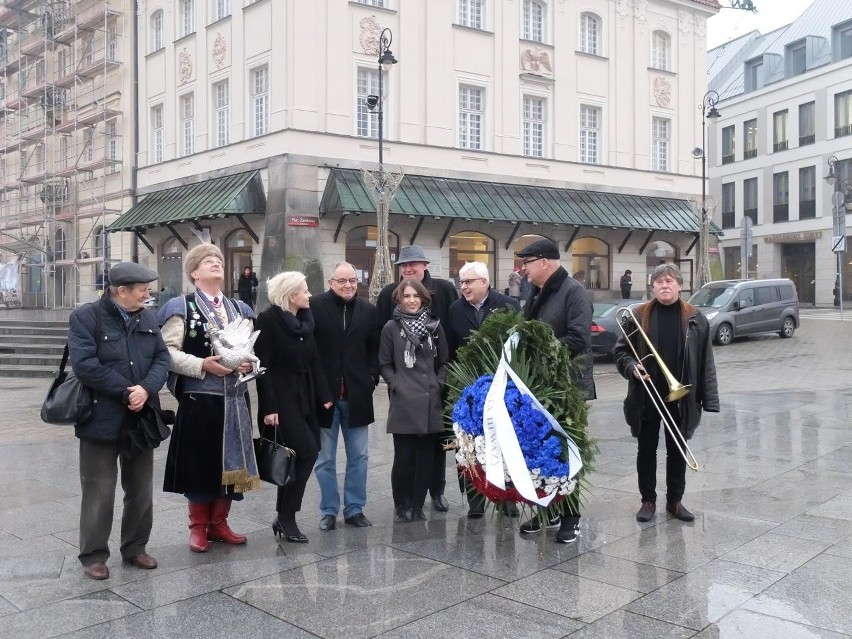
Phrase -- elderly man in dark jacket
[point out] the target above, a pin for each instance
(347, 337)
(466, 315)
(564, 304)
(116, 349)
(413, 263)
(681, 336)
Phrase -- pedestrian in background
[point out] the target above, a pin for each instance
(412, 263)
(211, 457)
(247, 286)
(514, 290)
(681, 336)
(626, 283)
(116, 349)
(293, 391)
(412, 359)
(347, 336)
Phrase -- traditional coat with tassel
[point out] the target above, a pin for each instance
(205, 459)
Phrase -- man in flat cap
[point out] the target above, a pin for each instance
(211, 459)
(562, 302)
(413, 263)
(116, 349)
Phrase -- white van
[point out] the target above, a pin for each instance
(744, 307)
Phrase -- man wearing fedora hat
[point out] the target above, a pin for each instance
(562, 302)
(116, 349)
(413, 263)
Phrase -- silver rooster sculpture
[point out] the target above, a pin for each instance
(235, 344)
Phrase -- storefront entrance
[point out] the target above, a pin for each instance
(797, 263)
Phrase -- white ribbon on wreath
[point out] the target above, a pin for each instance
(501, 441)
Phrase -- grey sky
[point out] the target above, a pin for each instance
(771, 14)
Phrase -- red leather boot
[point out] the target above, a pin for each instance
(199, 520)
(219, 529)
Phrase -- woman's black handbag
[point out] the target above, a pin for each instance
(68, 401)
(276, 463)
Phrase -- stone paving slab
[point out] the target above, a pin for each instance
(769, 555)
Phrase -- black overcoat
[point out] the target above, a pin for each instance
(350, 355)
(294, 384)
(463, 319)
(564, 304)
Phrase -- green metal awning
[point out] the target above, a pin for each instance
(240, 194)
(420, 196)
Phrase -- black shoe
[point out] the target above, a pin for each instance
(533, 526)
(569, 530)
(400, 515)
(440, 503)
(358, 520)
(646, 512)
(676, 510)
(328, 522)
(476, 511)
(289, 530)
(417, 514)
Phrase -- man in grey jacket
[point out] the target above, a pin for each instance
(116, 349)
(562, 302)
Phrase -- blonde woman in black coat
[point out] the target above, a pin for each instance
(412, 359)
(293, 390)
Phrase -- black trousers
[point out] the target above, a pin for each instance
(438, 481)
(289, 498)
(411, 474)
(646, 460)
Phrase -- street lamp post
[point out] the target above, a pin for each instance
(841, 204)
(708, 111)
(381, 184)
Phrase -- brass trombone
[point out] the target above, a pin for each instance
(676, 389)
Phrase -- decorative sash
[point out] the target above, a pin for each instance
(501, 441)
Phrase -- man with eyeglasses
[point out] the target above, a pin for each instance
(412, 263)
(347, 336)
(562, 302)
(466, 315)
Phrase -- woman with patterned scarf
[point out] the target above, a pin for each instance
(412, 359)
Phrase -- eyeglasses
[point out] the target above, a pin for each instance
(344, 281)
(535, 259)
(469, 282)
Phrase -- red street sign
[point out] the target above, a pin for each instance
(302, 220)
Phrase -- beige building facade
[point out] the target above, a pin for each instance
(582, 115)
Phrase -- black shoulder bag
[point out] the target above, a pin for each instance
(68, 400)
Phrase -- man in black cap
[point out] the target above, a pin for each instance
(562, 302)
(116, 349)
(413, 263)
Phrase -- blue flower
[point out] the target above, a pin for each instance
(540, 444)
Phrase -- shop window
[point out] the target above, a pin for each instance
(590, 262)
(470, 246)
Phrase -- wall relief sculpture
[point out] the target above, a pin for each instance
(662, 92)
(369, 38)
(536, 61)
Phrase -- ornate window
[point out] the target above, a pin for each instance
(661, 51)
(157, 34)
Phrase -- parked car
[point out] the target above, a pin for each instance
(745, 307)
(605, 328)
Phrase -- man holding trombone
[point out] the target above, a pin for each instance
(665, 352)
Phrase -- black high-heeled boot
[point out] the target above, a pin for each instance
(285, 526)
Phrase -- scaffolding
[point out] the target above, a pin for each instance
(62, 119)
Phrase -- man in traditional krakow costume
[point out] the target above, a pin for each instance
(211, 456)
